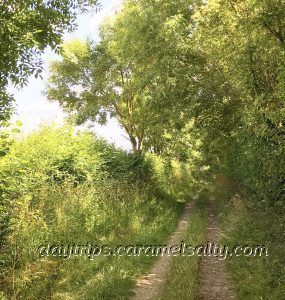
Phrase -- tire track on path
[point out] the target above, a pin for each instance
(149, 286)
(214, 280)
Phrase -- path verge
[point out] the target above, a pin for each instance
(149, 286)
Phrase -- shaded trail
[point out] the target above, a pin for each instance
(214, 280)
(151, 285)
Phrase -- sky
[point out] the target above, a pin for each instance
(32, 107)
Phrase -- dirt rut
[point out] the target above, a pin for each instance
(214, 280)
(149, 286)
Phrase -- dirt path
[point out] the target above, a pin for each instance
(148, 287)
(214, 280)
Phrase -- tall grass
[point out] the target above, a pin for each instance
(61, 188)
(182, 278)
(245, 224)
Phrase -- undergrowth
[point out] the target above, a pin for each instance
(61, 188)
(245, 224)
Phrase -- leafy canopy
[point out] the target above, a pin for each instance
(27, 28)
(134, 73)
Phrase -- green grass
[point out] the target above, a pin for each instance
(182, 279)
(142, 221)
(254, 278)
(115, 277)
(60, 188)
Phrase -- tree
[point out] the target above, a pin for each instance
(91, 83)
(136, 72)
(244, 40)
(27, 28)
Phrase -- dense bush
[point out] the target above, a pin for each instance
(64, 188)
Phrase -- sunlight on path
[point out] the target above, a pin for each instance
(214, 281)
(150, 286)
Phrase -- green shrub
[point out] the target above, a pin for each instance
(63, 188)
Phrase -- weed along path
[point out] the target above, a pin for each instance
(150, 286)
(190, 277)
(214, 281)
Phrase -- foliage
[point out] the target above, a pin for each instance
(28, 27)
(136, 82)
(244, 223)
(65, 187)
(199, 88)
(241, 39)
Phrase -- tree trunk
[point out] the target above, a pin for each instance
(134, 143)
